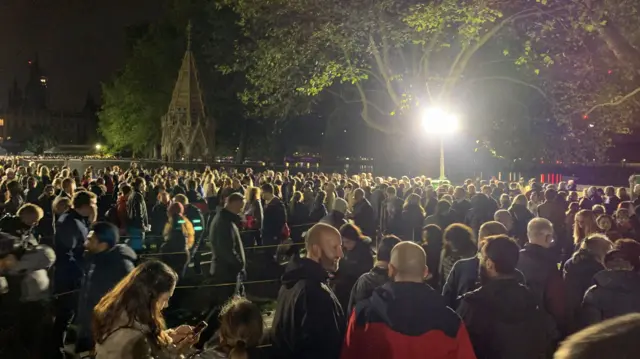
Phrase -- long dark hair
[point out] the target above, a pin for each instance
(136, 298)
(459, 238)
(241, 327)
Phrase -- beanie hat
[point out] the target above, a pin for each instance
(106, 233)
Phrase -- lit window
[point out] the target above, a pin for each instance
(1, 121)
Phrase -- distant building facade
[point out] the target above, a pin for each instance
(28, 115)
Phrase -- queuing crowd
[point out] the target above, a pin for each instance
(378, 267)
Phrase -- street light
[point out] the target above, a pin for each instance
(439, 122)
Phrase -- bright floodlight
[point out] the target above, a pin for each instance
(436, 120)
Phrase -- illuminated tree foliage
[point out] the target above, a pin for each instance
(136, 99)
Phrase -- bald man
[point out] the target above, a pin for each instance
(539, 264)
(309, 322)
(406, 317)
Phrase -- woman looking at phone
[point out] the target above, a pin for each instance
(128, 321)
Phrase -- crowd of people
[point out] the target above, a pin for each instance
(377, 267)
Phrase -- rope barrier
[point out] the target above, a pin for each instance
(209, 253)
(56, 296)
(226, 284)
(241, 232)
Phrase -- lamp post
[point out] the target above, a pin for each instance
(437, 121)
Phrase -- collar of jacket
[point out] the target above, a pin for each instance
(305, 268)
(540, 252)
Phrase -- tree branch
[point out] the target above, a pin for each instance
(383, 71)
(514, 80)
(614, 103)
(365, 102)
(458, 67)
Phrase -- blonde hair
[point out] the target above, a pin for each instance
(590, 225)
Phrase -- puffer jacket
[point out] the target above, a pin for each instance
(615, 293)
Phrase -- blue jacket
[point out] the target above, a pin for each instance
(71, 231)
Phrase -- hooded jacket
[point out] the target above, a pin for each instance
(102, 272)
(309, 322)
(615, 293)
(505, 322)
(406, 320)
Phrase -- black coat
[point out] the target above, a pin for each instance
(137, 211)
(463, 278)
(412, 218)
(354, 264)
(578, 277)
(102, 272)
(521, 217)
(366, 284)
(309, 321)
(615, 293)
(159, 218)
(364, 217)
(275, 216)
(227, 251)
(504, 321)
(482, 210)
(461, 208)
(391, 214)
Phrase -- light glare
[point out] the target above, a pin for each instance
(436, 120)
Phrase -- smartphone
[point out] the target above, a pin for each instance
(200, 328)
(197, 330)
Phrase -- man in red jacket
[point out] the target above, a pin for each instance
(406, 318)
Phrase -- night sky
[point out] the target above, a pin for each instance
(79, 43)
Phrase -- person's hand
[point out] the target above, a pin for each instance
(183, 336)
